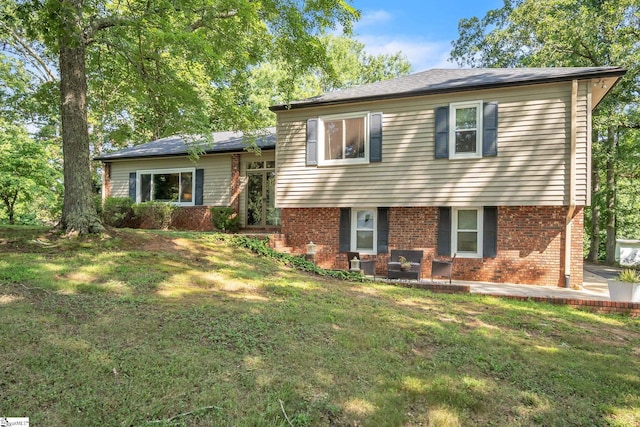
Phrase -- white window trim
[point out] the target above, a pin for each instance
(454, 232)
(341, 162)
(354, 230)
(452, 129)
(164, 171)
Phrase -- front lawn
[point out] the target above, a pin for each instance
(144, 328)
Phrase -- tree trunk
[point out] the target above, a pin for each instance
(595, 207)
(611, 194)
(10, 204)
(79, 212)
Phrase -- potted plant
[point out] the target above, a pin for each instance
(625, 286)
(405, 264)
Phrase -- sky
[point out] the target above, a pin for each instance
(422, 29)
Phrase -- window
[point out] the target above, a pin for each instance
(363, 231)
(465, 129)
(466, 236)
(166, 185)
(343, 139)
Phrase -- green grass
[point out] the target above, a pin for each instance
(181, 329)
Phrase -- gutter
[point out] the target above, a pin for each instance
(572, 184)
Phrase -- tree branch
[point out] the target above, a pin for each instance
(100, 24)
(202, 21)
(26, 51)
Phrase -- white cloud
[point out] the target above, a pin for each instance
(422, 54)
(374, 17)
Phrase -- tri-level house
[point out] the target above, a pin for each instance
(492, 165)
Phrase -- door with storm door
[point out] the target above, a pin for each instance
(261, 187)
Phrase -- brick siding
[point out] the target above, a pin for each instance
(530, 242)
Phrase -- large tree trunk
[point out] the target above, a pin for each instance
(79, 211)
(611, 193)
(594, 232)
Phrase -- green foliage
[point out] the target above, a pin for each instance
(27, 174)
(629, 275)
(154, 215)
(118, 211)
(261, 247)
(225, 219)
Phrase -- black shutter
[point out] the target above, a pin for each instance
(133, 179)
(312, 142)
(375, 137)
(383, 230)
(345, 229)
(442, 133)
(490, 129)
(444, 231)
(490, 232)
(198, 199)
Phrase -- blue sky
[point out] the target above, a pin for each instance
(422, 29)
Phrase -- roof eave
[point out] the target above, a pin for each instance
(106, 158)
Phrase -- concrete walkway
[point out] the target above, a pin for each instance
(594, 286)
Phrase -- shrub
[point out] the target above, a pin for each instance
(629, 275)
(117, 211)
(225, 219)
(155, 215)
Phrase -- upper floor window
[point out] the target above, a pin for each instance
(166, 185)
(343, 139)
(465, 129)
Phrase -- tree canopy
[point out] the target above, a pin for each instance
(158, 67)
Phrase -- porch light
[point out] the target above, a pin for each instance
(311, 248)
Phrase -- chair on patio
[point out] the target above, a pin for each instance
(441, 268)
(368, 266)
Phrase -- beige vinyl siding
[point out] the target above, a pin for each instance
(217, 175)
(531, 167)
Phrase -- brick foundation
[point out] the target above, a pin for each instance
(530, 242)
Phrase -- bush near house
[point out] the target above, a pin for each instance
(224, 218)
(153, 215)
(117, 211)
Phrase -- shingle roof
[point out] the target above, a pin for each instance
(451, 80)
(223, 142)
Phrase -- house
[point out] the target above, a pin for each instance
(224, 174)
(492, 165)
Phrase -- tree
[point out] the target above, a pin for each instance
(347, 65)
(537, 33)
(193, 50)
(25, 169)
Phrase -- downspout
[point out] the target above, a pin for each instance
(572, 183)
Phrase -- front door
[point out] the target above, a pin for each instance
(261, 187)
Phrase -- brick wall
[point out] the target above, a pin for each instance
(530, 242)
(317, 225)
